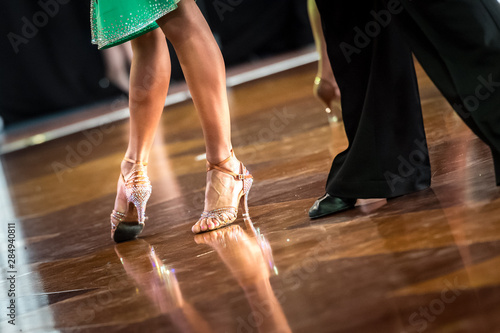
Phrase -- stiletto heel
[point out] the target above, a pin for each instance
(325, 92)
(141, 212)
(127, 226)
(246, 215)
(227, 215)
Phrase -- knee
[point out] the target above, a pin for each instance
(175, 32)
(182, 23)
(149, 42)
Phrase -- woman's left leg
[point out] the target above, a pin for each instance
(204, 70)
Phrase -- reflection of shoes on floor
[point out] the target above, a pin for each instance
(154, 278)
(328, 94)
(327, 205)
(264, 245)
(240, 252)
(244, 256)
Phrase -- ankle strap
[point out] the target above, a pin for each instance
(216, 165)
(135, 162)
(219, 167)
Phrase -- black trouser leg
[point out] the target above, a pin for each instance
(458, 44)
(387, 154)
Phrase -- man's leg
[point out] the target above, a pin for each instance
(458, 44)
(387, 154)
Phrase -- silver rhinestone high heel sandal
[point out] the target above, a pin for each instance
(127, 226)
(227, 215)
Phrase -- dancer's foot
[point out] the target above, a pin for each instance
(228, 183)
(327, 205)
(329, 94)
(133, 192)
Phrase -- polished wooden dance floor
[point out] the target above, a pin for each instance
(426, 262)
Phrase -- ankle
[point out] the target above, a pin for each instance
(219, 156)
(127, 167)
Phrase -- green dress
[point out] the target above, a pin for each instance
(117, 21)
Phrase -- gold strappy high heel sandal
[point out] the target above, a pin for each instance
(227, 215)
(325, 92)
(127, 226)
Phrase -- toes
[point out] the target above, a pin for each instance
(196, 228)
(223, 221)
(227, 217)
(200, 226)
(212, 223)
(203, 225)
(217, 222)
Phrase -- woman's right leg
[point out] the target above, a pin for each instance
(149, 81)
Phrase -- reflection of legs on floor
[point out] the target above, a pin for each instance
(241, 254)
(244, 257)
(160, 284)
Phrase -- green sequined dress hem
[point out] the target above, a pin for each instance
(115, 22)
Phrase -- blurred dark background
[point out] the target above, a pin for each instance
(49, 64)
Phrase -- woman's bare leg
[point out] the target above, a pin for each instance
(325, 85)
(149, 80)
(204, 70)
(324, 68)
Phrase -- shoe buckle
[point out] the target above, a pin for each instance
(241, 177)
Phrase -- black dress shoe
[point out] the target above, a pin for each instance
(327, 205)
